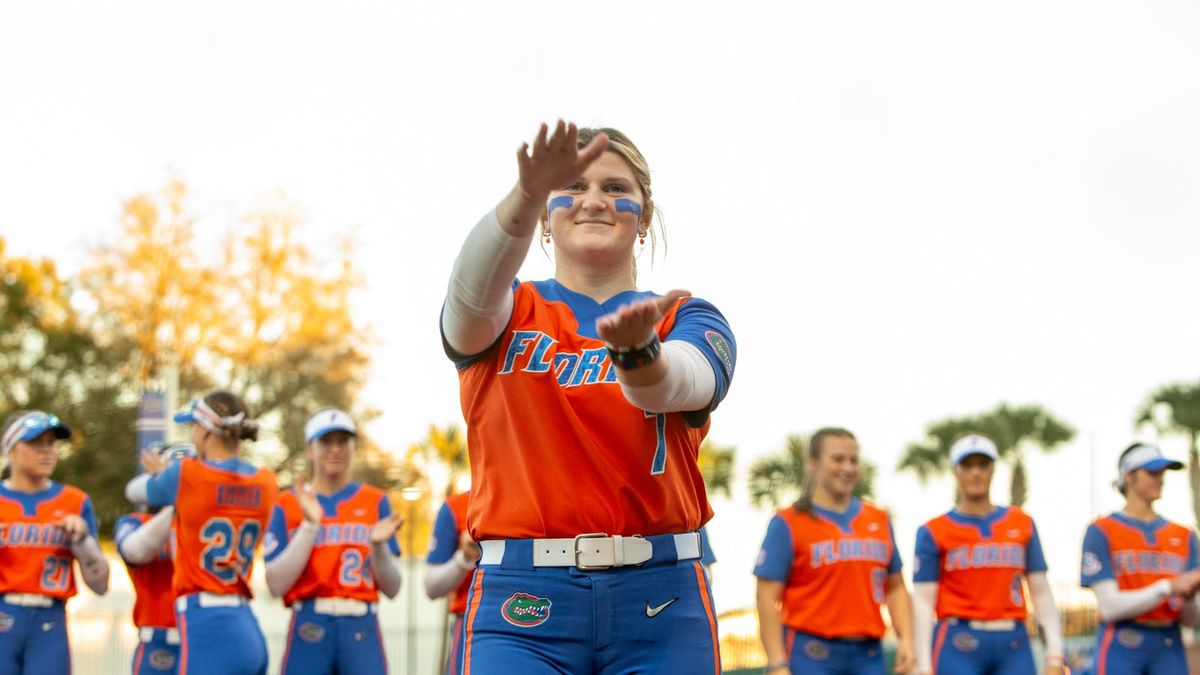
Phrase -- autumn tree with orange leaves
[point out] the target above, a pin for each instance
(253, 311)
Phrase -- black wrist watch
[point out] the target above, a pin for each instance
(635, 357)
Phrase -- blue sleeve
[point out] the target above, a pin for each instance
(1096, 563)
(1193, 560)
(1035, 560)
(775, 557)
(385, 511)
(163, 489)
(707, 557)
(89, 516)
(444, 540)
(927, 559)
(126, 525)
(277, 537)
(895, 564)
(699, 323)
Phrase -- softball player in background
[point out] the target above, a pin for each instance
(44, 527)
(143, 541)
(827, 564)
(968, 570)
(1143, 570)
(330, 549)
(449, 565)
(586, 401)
(221, 508)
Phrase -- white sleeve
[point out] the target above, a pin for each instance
(441, 579)
(1046, 613)
(135, 489)
(93, 566)
(479, 299)
(1117, 605)
(689, 384)
(387, 570)
(285, 569)
(924, 601)
(144, 543)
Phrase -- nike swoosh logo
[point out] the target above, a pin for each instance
(653, 611)
(47, 626)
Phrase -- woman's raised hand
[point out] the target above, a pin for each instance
(309, 506)
(632, 325)
(553, 161)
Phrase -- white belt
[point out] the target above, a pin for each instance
(28, 600)
(995, 626)
(206, 599)
(146, 634)
(337, 606)
(592, 551)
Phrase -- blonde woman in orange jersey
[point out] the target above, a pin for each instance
(586, 400)
(221, 508)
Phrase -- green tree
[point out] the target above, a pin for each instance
(1015, 429)
(1175, 409)
(49, 360)
(782, 476)
(716, 464)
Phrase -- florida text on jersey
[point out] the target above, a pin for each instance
(639, 468)
(35, 556)
(829, 559)
(340, 564)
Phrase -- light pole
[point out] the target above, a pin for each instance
(410, 495)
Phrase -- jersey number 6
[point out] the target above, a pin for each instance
(220, 556)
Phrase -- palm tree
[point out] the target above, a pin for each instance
(1175, 409)
(716, 466)
(1013, 428)
(780, 477)
(447, 446)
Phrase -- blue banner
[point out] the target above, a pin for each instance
(151, 423)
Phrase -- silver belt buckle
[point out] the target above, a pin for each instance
(590, 535)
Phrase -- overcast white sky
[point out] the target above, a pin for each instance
(906, 210)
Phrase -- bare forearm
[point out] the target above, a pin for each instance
(770, 627)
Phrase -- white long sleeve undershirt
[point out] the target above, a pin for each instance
(441, 579)
(93, 566)
(144, 544)
(924, 600)
(387, 570)
(1117, 605)
(1046, 613)
(479, 298)
(283, 571)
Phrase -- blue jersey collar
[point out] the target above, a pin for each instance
(842, 519)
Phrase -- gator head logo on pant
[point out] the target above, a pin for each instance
(525, 610)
